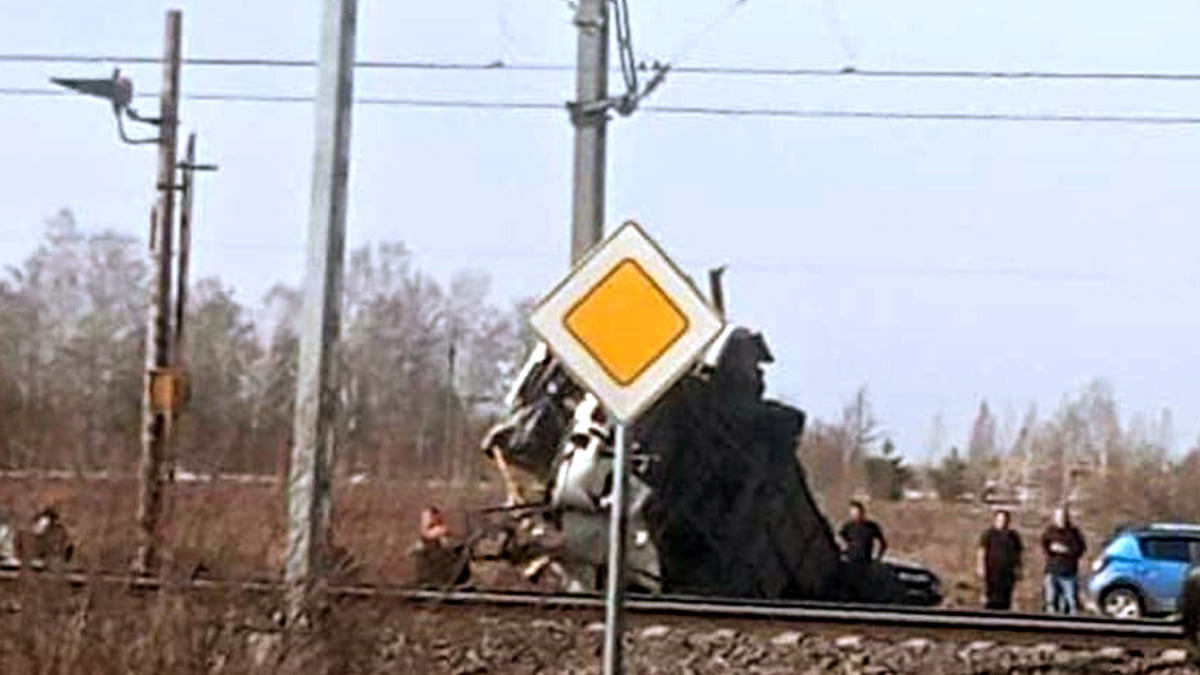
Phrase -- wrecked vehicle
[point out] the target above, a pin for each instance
(719, 504)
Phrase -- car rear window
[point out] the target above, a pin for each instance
(1167, 548)
(1123, 546)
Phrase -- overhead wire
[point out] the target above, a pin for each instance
(688, 110)
(755, 263)
(499, 66)
(711, 25)
(835, 26)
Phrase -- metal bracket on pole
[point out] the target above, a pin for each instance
(592, 114)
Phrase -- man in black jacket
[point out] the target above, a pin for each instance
(999, 561)
(860, 535)
(1063, 545)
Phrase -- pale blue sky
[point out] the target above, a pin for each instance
(937, 262)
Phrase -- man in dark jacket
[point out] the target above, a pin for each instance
(999, 561)
(1063, 545)
(860, 535)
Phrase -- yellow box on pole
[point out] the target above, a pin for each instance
(168, 390)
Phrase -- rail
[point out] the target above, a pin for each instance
(940, 620)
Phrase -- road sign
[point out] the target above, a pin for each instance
(626, 322)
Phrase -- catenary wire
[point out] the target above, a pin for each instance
(755, 264)
(706, 111)
(747, 71)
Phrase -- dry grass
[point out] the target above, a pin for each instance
(237, 530)
(234, 531)
(945, 537)
(109, 632)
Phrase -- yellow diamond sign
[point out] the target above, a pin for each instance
(626, 322)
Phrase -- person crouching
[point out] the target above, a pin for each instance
(439, 561)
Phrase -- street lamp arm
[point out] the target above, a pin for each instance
(124, 136)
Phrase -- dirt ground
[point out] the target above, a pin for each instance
(237, 530)
(945, 537)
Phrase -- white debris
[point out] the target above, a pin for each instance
(655, 632)
(849, 642)
(918, 645)
(719, 635)
(263, 647)
(545, 625)
(1173, 657)
(790, 638)
(8, 546)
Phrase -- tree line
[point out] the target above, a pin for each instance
(420, 368)
(1086, 453)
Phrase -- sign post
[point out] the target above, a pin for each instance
(626, 323)
(614, 588)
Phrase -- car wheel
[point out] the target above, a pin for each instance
(1121, 603)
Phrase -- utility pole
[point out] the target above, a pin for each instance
(309, 502)
(158, 326)
(589, 115)
(449, 448)
(185, 243)
(187, 194)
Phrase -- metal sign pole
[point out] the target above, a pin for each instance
(615, 586)
(595, 324)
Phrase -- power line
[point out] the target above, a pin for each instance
(706, 111)
(707, 29)
(748, 265)
(747, 71)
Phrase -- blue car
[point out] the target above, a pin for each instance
(1141, 571)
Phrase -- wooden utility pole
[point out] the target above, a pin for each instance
(309, 502)
(179, 373)
(589, 115)
(158, 325)
(186, 196)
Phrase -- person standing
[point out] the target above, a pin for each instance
(1063, 545)
(999, 561)
(860, 535)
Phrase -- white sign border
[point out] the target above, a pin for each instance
(630, 241)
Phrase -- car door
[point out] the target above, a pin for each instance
(1167, 559)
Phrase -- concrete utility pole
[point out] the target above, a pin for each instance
(158, 328)
(309, 502)
(589, 114)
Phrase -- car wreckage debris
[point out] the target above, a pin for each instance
(719, 502)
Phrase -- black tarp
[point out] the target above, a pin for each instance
(732, 513)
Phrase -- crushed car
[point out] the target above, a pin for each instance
(719, 503)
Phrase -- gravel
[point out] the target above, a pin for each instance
(571, 646)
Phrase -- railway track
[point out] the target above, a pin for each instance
(950, 624)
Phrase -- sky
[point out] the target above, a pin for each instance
(938, 263)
